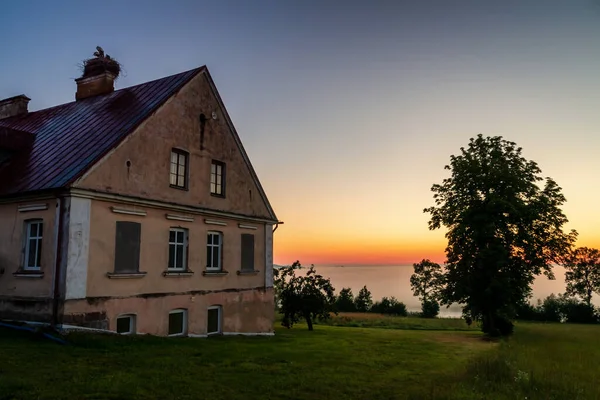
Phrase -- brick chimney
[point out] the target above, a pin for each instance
(14, 106)
(103, 83)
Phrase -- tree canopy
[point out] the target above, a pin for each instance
(503, 229)
(310, 297)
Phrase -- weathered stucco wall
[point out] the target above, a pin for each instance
(154, 252)
(12, 233)
(77, 248)
(26, 296)
(245, 311)
(177, 125)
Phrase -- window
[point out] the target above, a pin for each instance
(127, 247)
(247, 252)
(178, 245)
(217, 178)
(126, 324)
(214, 246)
(33, 244)
(213, 325)
(179, 168)
(177, 322)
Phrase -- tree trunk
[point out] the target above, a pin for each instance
(308, 321)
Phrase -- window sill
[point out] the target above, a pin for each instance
(132, 275)
(247, 272)
(33, 274)
(177, 274)
(179, 187)
(215, 273)
(222, 196)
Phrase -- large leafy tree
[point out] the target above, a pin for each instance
(582, 273)
(503, 229)
(425, 282)
(310, 297)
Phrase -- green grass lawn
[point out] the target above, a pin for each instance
(368, 320)
(541, 361)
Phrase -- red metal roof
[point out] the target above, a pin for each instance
(72, 137)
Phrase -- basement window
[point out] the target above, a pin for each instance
(177, 322)
(213, 325)
(126, 324)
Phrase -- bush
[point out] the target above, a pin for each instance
(558, 308)
(578, 312)
(389, 306)
(430, 309)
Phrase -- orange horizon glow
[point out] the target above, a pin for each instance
(355, 250)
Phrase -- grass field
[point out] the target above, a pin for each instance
(541, 361)
(369, 320)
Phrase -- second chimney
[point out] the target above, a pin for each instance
(102, 83)
(14, 106)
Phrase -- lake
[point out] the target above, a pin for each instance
(395, 281)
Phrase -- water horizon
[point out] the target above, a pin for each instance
(387, 280)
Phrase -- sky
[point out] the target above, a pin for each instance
(349, 110)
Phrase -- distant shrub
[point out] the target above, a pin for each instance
(344, 302)
(390, 306)
(430, 309)
(558, 308)
(578, 312)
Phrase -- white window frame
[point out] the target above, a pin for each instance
(132, 323)
(185, 322)
(185, 249)
(220, 315)
(28, 238)
(209, 247)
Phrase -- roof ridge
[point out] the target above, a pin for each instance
(198, 69)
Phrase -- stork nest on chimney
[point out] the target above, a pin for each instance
(99, 64)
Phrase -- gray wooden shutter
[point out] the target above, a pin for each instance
(127, 247)
(247, 252)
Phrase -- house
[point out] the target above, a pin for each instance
(134, 210)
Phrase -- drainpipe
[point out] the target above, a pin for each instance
(58, 262)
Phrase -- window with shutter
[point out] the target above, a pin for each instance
(127, 247)
(247, 252)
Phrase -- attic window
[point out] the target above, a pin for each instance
(217, 179)
(179, 168)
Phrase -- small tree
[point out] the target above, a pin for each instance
(582, 273)
(345, 301)
(309, 297)
(363, 301)
(426, 282)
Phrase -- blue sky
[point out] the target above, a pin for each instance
(349, 110)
